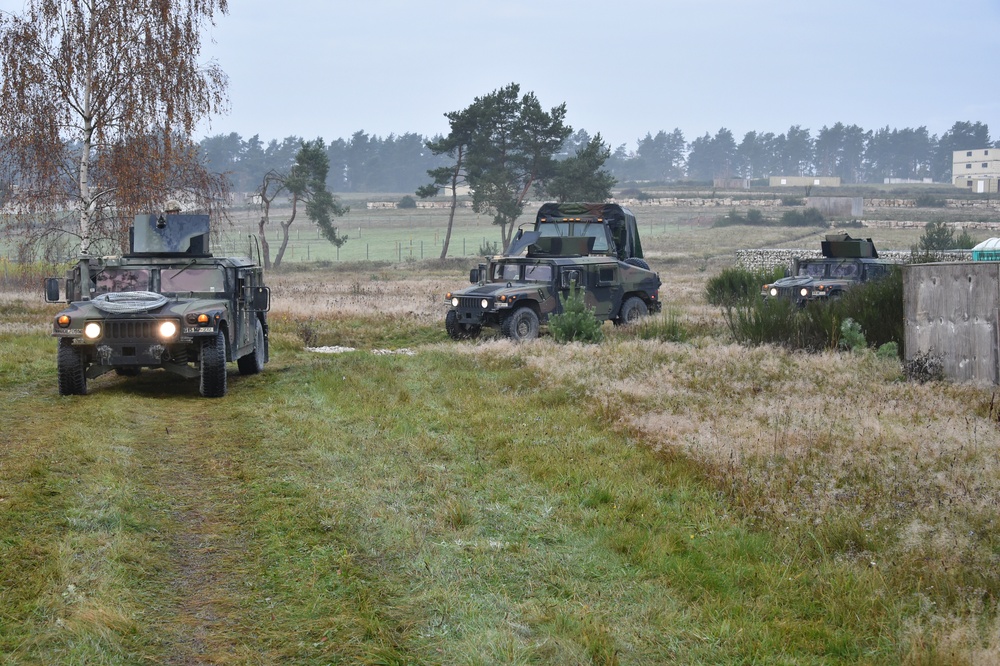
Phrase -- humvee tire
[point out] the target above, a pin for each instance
(253, 363)
(72, 371)
(520, 325)
(212, 366)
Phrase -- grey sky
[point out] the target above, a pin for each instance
(624, 67)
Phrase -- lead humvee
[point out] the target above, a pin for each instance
(166, 304)
(590, 246)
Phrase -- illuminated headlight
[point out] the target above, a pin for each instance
(168, 329)
(485, 303)
(92, 330)
(803, 292)
(454, 302)
(773, 291)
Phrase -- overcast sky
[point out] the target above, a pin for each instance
(623, 67)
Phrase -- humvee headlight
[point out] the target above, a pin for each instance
(803, 292)
(168, 329)
(773, 291)
(92, 330)
(485, 303)
(454, 301)
(63, 321)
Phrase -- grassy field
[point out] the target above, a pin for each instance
(633, 502)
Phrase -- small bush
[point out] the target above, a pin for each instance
(577, 322)
(929, 201)
(739, 285)
(889, 350)
(852, 337)
(937, 236)
(407, 202)
(793, 201)
(489, 249)
(924, 367)
(964, 241)
(810, 217)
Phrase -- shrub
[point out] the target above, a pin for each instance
(577, 322)
(407, 202)
(929, 201)
(852, 337)
(735, 285)
(924, 367)
(964, 241)
(792, 201)
(937, 236)
(869, 314)
(810, 217)
(489, 248)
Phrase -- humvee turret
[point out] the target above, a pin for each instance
(517, 294)
(613, 228)
(166, 304)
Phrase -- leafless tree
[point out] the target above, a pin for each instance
(98, 100)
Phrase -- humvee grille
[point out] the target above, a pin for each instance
(130, 330)
(470, 302)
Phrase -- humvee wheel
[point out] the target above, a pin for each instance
(459, 331)
(632, 310)
(636, 261)
(213, 366)
(521, 325)
(252, 363)
(72, 370)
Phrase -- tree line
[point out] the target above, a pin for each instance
(400, 162)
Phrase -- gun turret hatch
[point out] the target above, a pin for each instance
(171, 235)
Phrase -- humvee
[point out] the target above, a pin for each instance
(166, 304)
(517, 294)
(846, 262)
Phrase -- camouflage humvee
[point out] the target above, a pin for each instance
(517, 294)
(167, 304)
(846, 262)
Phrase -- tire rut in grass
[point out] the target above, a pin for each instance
(201, 623)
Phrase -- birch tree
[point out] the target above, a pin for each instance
(98, 101)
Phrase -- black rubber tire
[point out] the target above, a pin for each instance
(520, 325)
(632, 310)
(72, 370)
(458, 331)
(212, 366)
(253, 363)
(636, 261)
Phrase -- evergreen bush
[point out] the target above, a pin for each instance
(577, 322)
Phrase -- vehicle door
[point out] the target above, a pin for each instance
(604, 284)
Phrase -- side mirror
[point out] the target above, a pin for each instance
(260, 299)
(53, 287)
(474, 275)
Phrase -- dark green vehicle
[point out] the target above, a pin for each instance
(167, 304)
(846, 262)
(517, 294)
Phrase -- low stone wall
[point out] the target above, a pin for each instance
(768, 259)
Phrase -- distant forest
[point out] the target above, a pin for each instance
(399, 163)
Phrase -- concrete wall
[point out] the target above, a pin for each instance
(951, 310)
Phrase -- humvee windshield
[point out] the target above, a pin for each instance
(531, 273)
(181, 280)
(122, 279)
(848, 270)
(558, 229)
